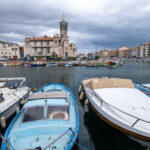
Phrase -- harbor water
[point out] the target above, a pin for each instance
(94, 134)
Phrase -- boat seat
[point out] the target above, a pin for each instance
(46, 95)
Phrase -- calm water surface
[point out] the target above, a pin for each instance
(94, 134)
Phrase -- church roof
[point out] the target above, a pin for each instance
(41, 38)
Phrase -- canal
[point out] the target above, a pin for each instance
(94, 134)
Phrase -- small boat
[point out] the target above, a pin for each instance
(52, 64)
(11, 96)
(5, 64)
(111, 64)
(120, 103)
(93, 65)
(37, 64)
(69, 64)
(48, 120)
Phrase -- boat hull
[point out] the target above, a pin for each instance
(138, 136)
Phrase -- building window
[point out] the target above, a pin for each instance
(16, 49)
(12, 48)
(34, 43)
(55, 42)
(66, 54)
(48, 50)
(66, 48)
(41, 43)
(35, 50)
(27, 42)
(47, 42)
(41, 49)
(2, 53)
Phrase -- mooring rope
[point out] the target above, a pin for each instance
(148, 148)
(81, 146)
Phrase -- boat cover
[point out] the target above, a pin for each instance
(131, 101)
(96, 83)
(46, 95)
(2, 84)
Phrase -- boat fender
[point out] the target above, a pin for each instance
(17, 110)
(51, 116)
(80, 89)
(30, 93)
(3, 122)
(81, 96)
(22, 101)
(86, 106)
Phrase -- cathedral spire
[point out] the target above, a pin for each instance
(63, 27)
(63, 18)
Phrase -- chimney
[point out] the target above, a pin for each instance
(33, 37)
(45, 36)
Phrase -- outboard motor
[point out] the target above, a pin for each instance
(1, 98)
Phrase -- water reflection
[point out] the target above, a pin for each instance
(105, 137)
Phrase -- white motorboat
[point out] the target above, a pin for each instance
(12, 95)
(121, 104)
(69, 64)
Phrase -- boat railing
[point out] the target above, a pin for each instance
(70, 129)
(102, 101)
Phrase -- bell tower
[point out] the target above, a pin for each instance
(63, 28)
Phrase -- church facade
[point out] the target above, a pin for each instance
(58, 45)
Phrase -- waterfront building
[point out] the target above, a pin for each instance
(112, 53)
(122, 52)
(58, 45)
(133, 52)
(144, 50)
(9, 50)
(97, 54)
(104, 53)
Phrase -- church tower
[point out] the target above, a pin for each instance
(63, 28)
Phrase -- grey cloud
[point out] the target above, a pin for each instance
(95, 22)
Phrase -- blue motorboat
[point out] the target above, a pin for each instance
(37, 64)
(48, 120)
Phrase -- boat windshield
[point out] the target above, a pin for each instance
(57, 112)
(33, 113)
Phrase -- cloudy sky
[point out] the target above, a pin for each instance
(93, 24)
